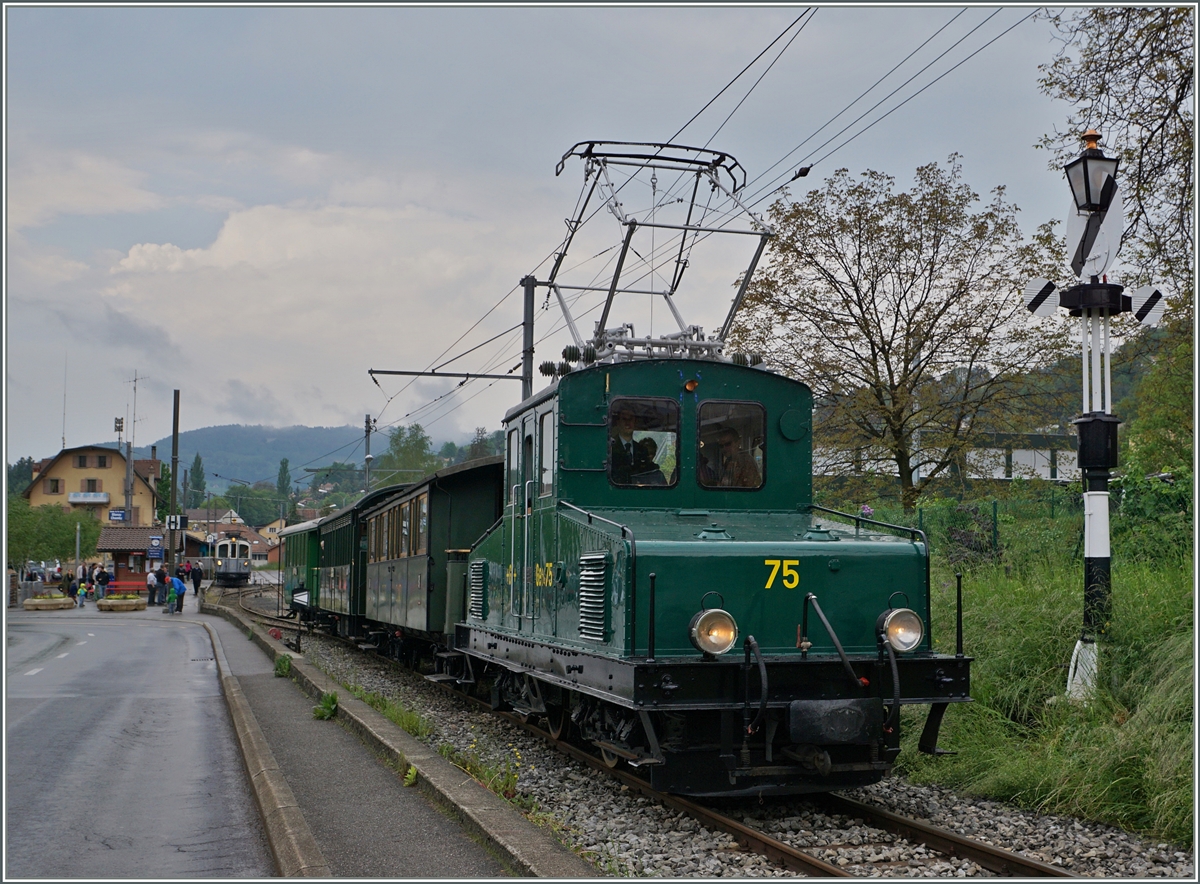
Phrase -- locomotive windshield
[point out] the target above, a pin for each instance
(643, 441)
(731, 445)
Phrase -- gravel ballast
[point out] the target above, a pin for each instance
(626, 834)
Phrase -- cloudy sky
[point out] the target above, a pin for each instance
(257, 205)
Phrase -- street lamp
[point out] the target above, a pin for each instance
(1089, 173)
(1094, 226)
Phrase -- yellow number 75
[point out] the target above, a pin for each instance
(791, 577)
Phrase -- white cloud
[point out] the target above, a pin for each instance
(47, 184)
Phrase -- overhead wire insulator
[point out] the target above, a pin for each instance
(571, 353)
(548, 369)
(564, 368)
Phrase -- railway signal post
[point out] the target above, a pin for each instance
(1094, 227)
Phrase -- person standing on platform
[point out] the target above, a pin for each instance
(103, 578)
(73, 591)
(161, 574)
(180, 589)
(197, 577)
(151, 588)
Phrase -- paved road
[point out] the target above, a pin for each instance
(121, 757)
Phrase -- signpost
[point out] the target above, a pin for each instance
(156, 547)
(116, 515)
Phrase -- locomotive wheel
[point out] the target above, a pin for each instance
(557, 720)
(609, 758)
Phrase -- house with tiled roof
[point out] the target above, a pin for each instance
(133, 549)
(91, 479)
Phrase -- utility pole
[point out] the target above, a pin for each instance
(530, 284)
(174, 482)
(367, 458)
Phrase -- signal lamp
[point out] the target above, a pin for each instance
(713, 631)
(1088, 172)
(691, 385)
(901, 628)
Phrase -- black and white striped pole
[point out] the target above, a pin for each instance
(1094, 227)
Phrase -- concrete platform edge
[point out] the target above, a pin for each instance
(292, 843)
(528, 848)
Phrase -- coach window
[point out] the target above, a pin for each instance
(643, 436)
(421, 516)
(732, 443)
(546, 440)
(405, 525)
(514, 466)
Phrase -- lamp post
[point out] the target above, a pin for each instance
(1094, 226)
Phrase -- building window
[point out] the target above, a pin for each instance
(93, 485)
(81, 461)
(102, 461)
(54, 486)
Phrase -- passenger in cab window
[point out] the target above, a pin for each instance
(643, 436)
(736, 467)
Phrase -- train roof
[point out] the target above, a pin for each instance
(299, 527)
(465, 466)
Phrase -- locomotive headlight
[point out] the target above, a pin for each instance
(902, 628)
(713, 631)
(219, 562)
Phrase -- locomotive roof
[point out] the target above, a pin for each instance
(626, 364)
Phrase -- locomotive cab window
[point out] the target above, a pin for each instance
(732, 445)
(643, 436)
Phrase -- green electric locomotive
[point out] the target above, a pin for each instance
(661, 584)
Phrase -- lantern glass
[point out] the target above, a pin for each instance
(1086, 175)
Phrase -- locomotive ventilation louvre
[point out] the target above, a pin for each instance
(477, 606)
(593, 584)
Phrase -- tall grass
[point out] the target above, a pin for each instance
(1126, 756)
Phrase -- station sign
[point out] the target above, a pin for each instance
(116, 515)
(156, 547)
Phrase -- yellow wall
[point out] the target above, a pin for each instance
(109, 479)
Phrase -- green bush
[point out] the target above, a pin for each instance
(1125, 757)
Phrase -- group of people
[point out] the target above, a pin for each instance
(90, 581)
(162, 590)
(724, 462)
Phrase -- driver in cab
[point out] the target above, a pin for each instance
(630, 462)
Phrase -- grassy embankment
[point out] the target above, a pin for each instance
(1125, 757)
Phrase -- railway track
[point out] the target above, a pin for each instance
(883, 826)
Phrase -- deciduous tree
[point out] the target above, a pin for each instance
(408, 457)
(901, 311)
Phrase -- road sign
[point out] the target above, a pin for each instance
(211, 538)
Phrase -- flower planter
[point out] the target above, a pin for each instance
(121, 604)
(60, 604)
